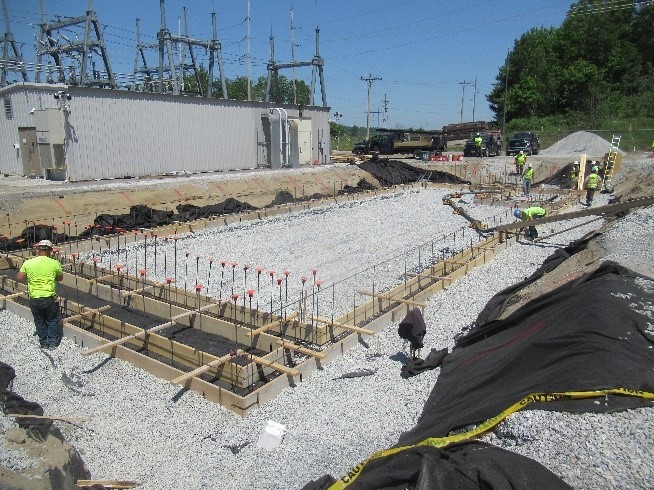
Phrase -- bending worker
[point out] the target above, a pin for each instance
(533, 212)
(42, 273)
(590, 184)
(520, 160)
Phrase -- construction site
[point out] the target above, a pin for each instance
(260, 321)
(243, 307)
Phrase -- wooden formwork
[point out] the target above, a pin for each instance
(281, 340)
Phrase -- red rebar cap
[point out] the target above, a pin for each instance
(250, 292)
(169, 280)
(235, 296)
(198, 288)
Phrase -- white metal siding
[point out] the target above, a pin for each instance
(112, 134)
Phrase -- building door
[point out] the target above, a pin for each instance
(29, 151)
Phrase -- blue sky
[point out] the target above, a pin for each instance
(421, 50)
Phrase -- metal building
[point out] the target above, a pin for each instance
(63, 132)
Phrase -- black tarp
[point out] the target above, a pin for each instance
(471, 465)
(413, 329)
(497, 304)
(31, 235)
(395, 172)
(585, 335)
(589, 334)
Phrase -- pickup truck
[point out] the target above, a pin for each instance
(401, 142)
(489, 146)
(527, 142)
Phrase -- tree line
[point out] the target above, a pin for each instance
(598, 65)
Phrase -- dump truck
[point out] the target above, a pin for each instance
(402, 141)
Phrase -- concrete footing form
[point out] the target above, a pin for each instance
(234, 354)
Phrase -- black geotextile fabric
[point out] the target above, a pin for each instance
(589, 334)
(497, 304)
(12, 403)
(31, 235)
(394, 172)
(141, 216)
(465, 466)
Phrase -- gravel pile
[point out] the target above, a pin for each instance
(145, 429)
(580, 142)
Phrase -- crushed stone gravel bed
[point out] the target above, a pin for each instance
(142, 429)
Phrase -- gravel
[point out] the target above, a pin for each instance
(142, 428)
(580, 142)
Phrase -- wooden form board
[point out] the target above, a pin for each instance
(143, 333)
(391, 299)
(270, 325)
(345, 326)
(302, 350)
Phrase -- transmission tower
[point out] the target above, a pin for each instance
(176, 73)
(10, 63)
(79, 51)
(316, 65)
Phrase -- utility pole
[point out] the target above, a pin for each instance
(506, 89)
(474, 101)
(385, 107)
(463, 94)
(293, 55)
(249, 57)
(369, 81)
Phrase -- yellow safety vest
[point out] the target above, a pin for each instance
(592, 181)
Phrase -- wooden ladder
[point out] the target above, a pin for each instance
(610, 162)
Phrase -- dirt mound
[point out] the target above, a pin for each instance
(579, 142)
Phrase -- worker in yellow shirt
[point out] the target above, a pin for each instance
(42, 273)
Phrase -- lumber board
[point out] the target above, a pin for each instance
(344, 325)
(302, 350)
(14, 295)
(89, 311)
(141, 290)
(217, 362)
(121, 341)
(113, 484)
(270, 325)
(63, 419)
(277, 367)
(391, 299)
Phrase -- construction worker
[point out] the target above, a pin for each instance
(42, 273)
(574, 175)
(591, 183)
(520, 160)
(478, 141)
(528, 179)
(533, 212)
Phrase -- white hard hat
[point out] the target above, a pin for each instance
(576, 162)
(522, 152)
(44, 244)
(529, 165)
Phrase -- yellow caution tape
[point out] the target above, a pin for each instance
(485, 426)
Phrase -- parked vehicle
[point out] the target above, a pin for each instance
(489, 146)
(396, 141)
(527, 142)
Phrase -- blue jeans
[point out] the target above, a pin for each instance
(47, 319)
(527, 187)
